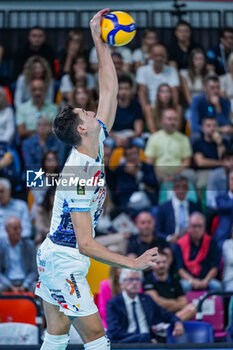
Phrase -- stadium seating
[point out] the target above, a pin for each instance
(195, 332)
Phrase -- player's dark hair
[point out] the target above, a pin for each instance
(65, 126)
(225, 30)
(125, 79)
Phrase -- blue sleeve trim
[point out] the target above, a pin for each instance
(79, 209)
(104, 128)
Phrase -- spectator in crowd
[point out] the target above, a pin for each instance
(107, 289)
(134, 176)
(166, 291)
(28, 112)
(43, 140)
(151, 76)
(192, 78)
(142, 55)
(164, 100)
(225, 213)
(4, 74)
(208, 149)
(18, 271)
(82, 98)
(181, 47)
(197, 257)
(10, 165)
(167, 149)
(211, 104)
(13, 207)
(74, 47)
(129, 119)
(36, 45)
(227, 254)
(125, 52)
(44, 215)
(36, 67)
(173, 216)
(131, 315)
(7, 123)
(146, 238)
(226, 83)
(78, 76)
(217, 57)
(217, 180)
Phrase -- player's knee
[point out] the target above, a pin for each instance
(55, 342)
(102, 343)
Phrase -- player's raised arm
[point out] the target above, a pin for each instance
(108, 82)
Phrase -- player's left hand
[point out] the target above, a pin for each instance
(95, 22)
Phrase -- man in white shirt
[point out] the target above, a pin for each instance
(131, 315)
(151, 76)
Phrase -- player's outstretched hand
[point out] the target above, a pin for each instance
(147, 259)
(95, 23)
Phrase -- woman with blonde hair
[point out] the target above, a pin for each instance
(164, 101)
(36, 67)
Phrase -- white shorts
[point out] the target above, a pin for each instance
(62, 279)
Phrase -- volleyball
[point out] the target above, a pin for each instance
(118, 28)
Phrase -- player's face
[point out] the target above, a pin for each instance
(88, 118)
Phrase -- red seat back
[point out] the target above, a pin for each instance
(18, 309)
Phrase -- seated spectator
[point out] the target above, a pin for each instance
(82, 98)
(217, 57)
(211, 104)
(217, 180)
(167, 291)
(225, 214)
(151, 76)
(4, 74)
(28, 112)
(146, 238)
(36, 67)
(167, 149)
(226, 83)
(181, 47)
(227, 254)
(131, 315)
(134, 176)
(13, 207)
(142, 55)
(7, 123)
(36, 45)
(10, 166)
(197, 257)
(74, 47)
(164, 100)
(124, 51)
(35, 146)
(78, 76)
(18, 271)
(44, 215)
(192, 78)
(208, 149)
(129, 118)
(173, 216)
(108, 289)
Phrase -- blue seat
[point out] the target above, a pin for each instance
(195, 332)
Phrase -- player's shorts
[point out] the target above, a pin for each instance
(62, 281)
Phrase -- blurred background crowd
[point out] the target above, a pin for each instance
(168, 163)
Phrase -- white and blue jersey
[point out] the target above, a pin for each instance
(78, 197)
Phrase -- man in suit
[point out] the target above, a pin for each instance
(173, 216)
(131, 315)
(18, 272)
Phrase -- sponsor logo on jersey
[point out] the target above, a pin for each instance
(80, 189)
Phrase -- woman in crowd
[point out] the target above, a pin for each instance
(164, 100)
(7, 126)
(192, 79)
(226, 82)
(36, 67)
(82, 98)
(78, 76)
(108, 289)
(141, 56)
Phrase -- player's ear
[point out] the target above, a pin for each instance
(81, 129)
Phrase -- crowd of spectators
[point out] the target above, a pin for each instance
(168, 165)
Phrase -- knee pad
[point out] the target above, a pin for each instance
(55, 342)
(102, 343)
